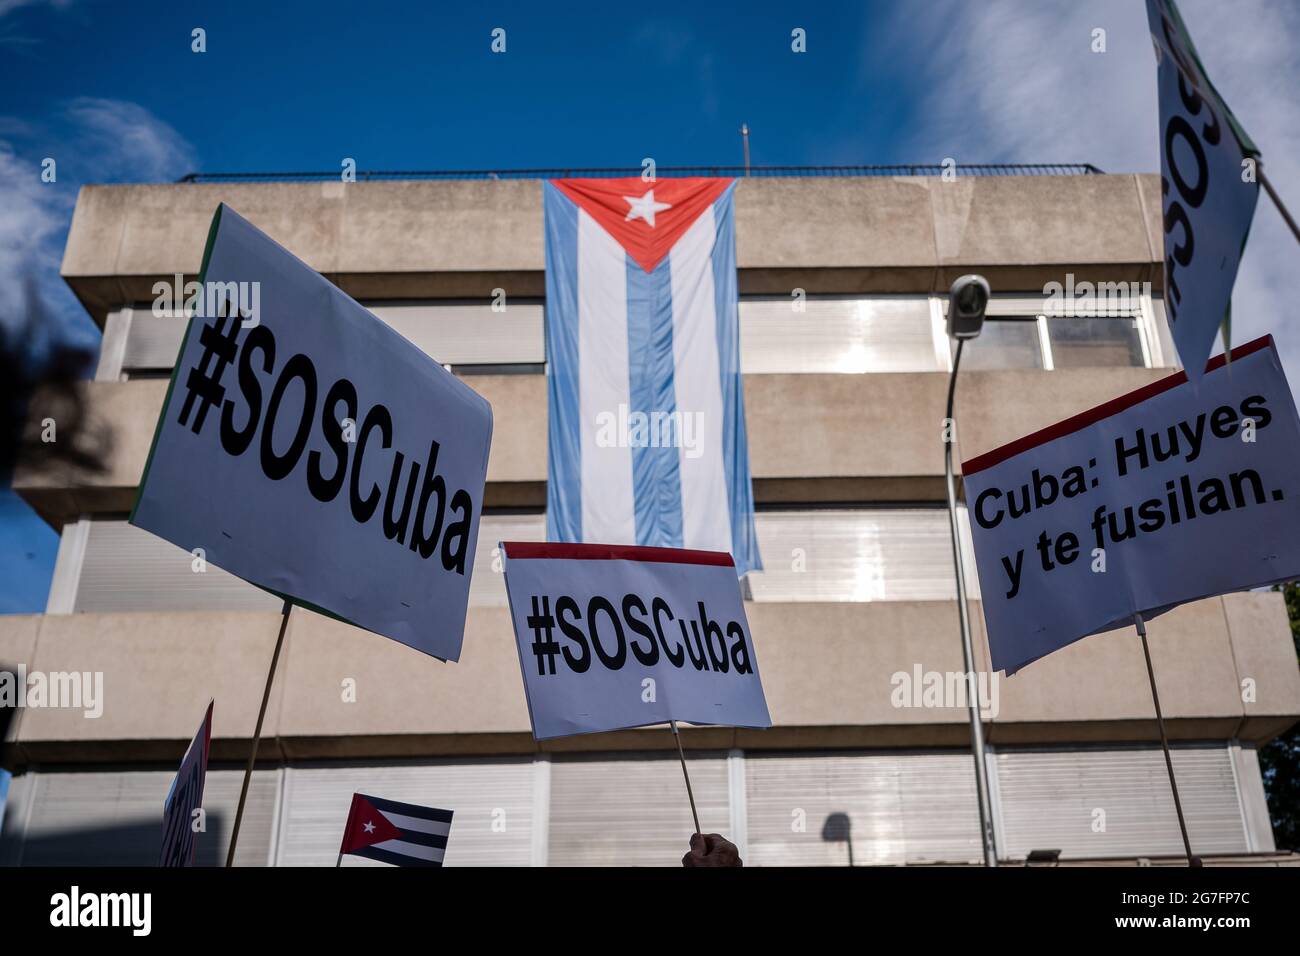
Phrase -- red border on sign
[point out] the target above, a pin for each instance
(614, 552)
(1069, 426)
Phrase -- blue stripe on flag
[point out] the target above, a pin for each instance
(656, 483)
(735, 443)
(396, 859)
(430, 813)
(408, 809)
(436, 840)
(564, 448)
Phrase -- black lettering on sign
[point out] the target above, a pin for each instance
(1191, 190)
(322, 488)
(278, 467)
(709, 645)
(615, 660)
(577, 663)
(438, 519)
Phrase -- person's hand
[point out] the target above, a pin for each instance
(711, 849)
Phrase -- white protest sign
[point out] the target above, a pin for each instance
(1208, 186)
(184, 798)
(612, 637)
(1169, 494)
(307, 447)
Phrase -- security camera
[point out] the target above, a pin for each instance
(967, 300)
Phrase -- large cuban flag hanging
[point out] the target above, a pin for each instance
(647, 414)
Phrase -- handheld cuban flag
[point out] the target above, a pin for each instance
(647, 413)
(398, 833)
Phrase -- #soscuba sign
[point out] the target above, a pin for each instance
(617, 636)
(308, 448)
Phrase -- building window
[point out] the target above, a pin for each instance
(470, 336)
(1004, 342)
(815, 334)
(833, 555)
(858, 807)
(836, 334)
(859, 555)
(1024, 339)
(1085, 342)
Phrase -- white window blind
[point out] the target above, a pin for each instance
(1100, 802)
(880, 554)
(491, 800)
(778, 334)
(453, 333)
(126, 569)
(833, 809)
(620, 811)
(809, 808)
(114, 818)
(825, 334)
(470, 333)
(837, 334)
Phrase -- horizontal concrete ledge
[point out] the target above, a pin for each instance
(276, 750)
(812, 438)
(58, 506)
(767, 491)
(1183, 729)
(828, 674)
(102, 294)
(424, 239)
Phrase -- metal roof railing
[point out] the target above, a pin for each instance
(665, 172)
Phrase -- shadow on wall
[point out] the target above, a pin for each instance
(838, 828)
(127, 844)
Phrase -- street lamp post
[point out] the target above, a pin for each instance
(967, 300)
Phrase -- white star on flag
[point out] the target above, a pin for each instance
(370, 827)
(644, 207)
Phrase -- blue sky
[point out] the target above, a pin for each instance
(112, 92)
(294, 85)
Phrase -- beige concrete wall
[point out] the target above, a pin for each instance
(1102, 681)
(827, 670)
(875, 437)
(17, 647)
(1264, 655)
(465, 238)
(160, 670)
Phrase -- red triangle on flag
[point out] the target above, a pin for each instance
(645, 218)
(366, 826)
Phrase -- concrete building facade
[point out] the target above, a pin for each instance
(842, 281)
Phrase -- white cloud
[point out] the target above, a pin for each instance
(9, 6)
(1014, 82)
(1019, 82)
(124, 141)
(104, 141)
(32, 225)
